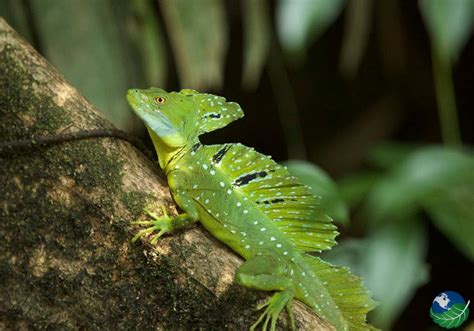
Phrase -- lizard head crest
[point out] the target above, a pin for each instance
(214, 112)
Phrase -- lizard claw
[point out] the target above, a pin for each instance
(263, 305)
(142, 232)
(274, 306)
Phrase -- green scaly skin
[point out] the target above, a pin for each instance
(251, 204)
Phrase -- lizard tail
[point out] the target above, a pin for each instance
(347, 293)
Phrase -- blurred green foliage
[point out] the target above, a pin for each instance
(104, 47)
(74, 43)
(257, 40)
(449, 24)
(420, 175)
(121, 43)
(199, 40)
(300, 23)
(147, 38)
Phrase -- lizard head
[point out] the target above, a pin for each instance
(166, 115)
(178, 118)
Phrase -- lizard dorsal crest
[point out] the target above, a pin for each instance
(289, 204)
(214, 112)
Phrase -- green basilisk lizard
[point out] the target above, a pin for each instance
(250, 203)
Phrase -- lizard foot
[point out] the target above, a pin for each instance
(162, 224)
(274, 306)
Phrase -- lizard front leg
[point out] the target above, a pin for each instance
(165, 224)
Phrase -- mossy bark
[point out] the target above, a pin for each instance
(66, 259)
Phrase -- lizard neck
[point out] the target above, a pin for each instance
(168, 156)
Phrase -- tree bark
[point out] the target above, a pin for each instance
(66, 257)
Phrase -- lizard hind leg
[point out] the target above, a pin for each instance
(266, 272)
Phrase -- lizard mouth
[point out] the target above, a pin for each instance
(133, 95)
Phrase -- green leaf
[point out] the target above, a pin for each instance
(452, 318)
(452, 211)
(387, 249)
(80, 38)
(257, 40)
(449, 24)
(321, 185)
(428, 170)
(301, 22)
(198, 34)
(391, 262)
(386, 155)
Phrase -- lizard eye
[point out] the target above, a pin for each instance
(160, 100)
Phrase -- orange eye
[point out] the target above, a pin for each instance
(160, 100)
